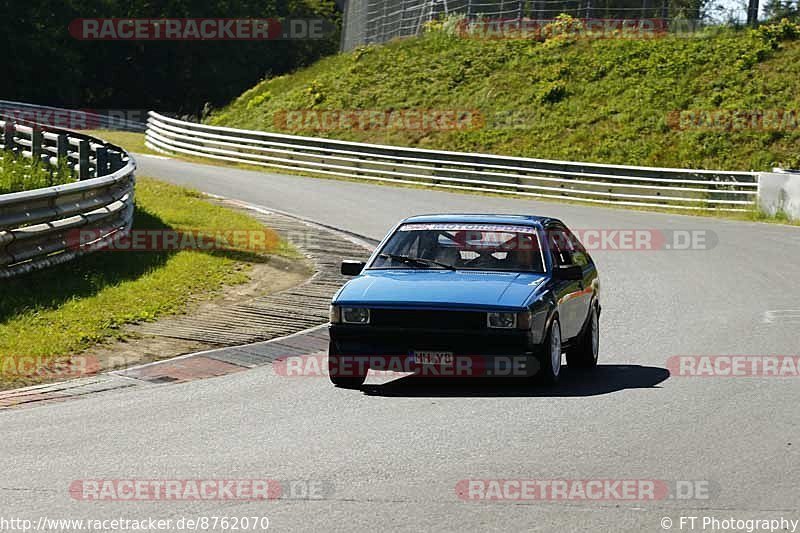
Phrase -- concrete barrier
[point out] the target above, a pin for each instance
(779, 191)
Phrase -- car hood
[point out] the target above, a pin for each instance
(440, 288)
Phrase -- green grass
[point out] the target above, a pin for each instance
(130, 141)
(61, 311)
(604, 100)
(18, 174)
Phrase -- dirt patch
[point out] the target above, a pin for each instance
(138, 348)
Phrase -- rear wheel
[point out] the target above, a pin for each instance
(585, 353)
(346, 372)
(550, 356)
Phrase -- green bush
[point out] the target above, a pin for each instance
(784, 30)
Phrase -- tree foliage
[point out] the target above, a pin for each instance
(778, 9)
(45, 64)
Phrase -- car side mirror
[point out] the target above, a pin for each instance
(352, 268)
(568, 273)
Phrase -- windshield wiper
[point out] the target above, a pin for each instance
(415, 260)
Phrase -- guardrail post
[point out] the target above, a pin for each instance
(114, 161)
(8, 136)
(83, 159)
(101, 162)
(36, 144)
(62, 147)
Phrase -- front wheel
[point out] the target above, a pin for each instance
(346, 372)
(550, 357)
(585, 353)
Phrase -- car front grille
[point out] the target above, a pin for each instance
(428, 319)
(357, 340)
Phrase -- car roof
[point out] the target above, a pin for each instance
(525, 220)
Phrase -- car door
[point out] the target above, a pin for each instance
(568, 292)
(581, 257)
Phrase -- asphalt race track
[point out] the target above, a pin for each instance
(390, 456)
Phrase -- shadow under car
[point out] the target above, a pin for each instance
(604, 379)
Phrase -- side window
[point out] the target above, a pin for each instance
(560, 246)
(579, 255)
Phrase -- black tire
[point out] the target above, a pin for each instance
(350, 381)
(584, 353)
(549, 364)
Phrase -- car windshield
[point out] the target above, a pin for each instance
(506, 248)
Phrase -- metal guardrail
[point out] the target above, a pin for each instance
(74, 119)
(671, 188)
(38, 228)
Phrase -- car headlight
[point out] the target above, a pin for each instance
(508, 320)
(336, 314)
(501, 320)
(349, 315)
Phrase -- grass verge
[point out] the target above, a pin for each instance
(129, 140)
(18, 174)
(54, 314)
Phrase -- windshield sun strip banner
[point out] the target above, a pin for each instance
(467, 227)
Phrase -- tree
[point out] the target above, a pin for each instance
(45, 64)
(778, 9)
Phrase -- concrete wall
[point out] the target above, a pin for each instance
(780, 191)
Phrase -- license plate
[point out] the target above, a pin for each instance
(433, 358)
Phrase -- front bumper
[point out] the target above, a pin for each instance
(476, 353)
